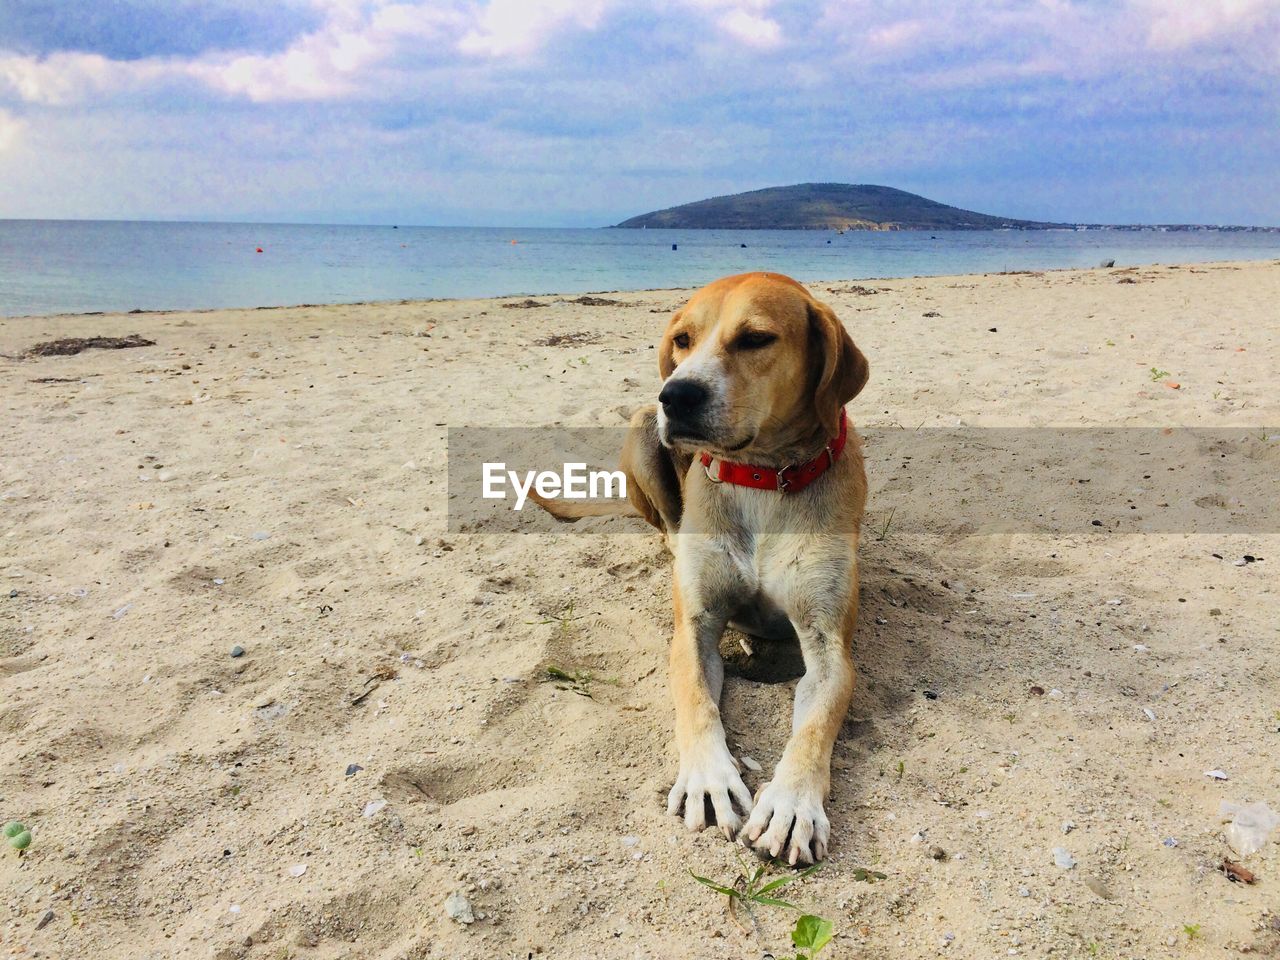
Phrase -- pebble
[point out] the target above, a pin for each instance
(630, 841)
(297, 870)
(44, 920)
(237, 651)
(1216, 774)
(458, 908)
(468, 830)
(1068, 826)
(1169, 842)
(751, 764)
(261, 535)
(1062, 858)
(1024, 891)
(1100, 888)
(373, 806)
(937, 853)
(353, 769)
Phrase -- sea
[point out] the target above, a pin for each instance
(83, 266)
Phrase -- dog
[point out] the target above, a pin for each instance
(748, 466)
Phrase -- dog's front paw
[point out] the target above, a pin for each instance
(788, 821)
(712, 776)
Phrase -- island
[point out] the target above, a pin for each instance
(855, 206)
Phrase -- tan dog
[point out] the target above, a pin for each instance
(757, 373)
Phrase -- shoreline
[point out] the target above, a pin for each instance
(391, 302)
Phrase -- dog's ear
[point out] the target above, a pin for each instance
(667, 347)
(842, 370)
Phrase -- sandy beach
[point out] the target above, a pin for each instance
(275, 480)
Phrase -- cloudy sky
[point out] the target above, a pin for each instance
(583, 112)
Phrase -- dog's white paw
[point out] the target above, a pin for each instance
(788, 821)
(713, 775)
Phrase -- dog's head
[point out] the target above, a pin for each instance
(754, 364)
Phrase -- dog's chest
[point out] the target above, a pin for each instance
(752, 557)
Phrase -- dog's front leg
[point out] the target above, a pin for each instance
(788, 818)
(707, 768)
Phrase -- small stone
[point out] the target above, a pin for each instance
(297, 870)
(937, 853)
(630, 841)
(751, 764)
(353, 769)
(237, 651)
(1169, 842)
(1068, 826)
(458, 908)
(1098, 887)
(1062, 858)
(1216, 774)
(468, 831)
(45, 920)
(1024, 891)
(261, 535)
(373, 807)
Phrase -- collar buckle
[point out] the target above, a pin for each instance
(784, 484)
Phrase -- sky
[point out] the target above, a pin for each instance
(585, 112)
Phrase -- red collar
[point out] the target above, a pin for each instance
(790, 479)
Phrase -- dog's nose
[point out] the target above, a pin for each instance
(680, 398)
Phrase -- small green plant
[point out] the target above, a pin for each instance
(863, 875)
(576, 682)
(810, 935)
(19, 836)
(749, 888)
(1192, 930)
(884, 531)
(563, 618)
(1157, 374)
(902, 768)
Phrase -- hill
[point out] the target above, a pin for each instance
(827, 206)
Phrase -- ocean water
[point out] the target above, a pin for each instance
(61, 266)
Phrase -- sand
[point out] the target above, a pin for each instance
(276, 480)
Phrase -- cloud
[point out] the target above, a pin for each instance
(520, 27)
(617, 105)
(752, 29)
(10, 128)
(1175, 26)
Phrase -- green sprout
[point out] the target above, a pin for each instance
(19, 836)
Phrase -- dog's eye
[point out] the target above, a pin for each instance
(754, 340)
(681, 340)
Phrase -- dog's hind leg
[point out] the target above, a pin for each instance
(654, 474)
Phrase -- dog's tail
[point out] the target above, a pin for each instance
(570, 511)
